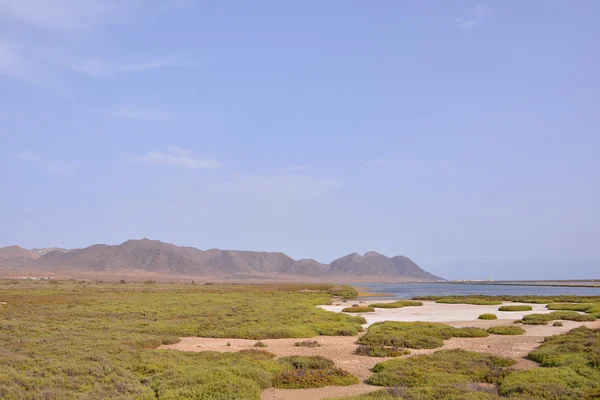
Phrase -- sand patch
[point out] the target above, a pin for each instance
(437, 312)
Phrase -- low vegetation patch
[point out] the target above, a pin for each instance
(398, 304)
(582, 307)
(308, 343)
(85, 340)
(310, 372)
(468, 300)
(470, 391)
(442, 368)
(515, 299)
(414, 335)
(570, 369)
(557, 323)
(506, 330)
(516, 308)
(358, 309)
(260, 344)
(488, 316)
(543, 319)
(380, 351)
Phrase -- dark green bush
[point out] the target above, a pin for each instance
(488, 316)
(380, 351)
(358, 309)
(415, 335)
(442, 368)
(515, 308)
(506, 330)
(398, 304)
(309, 372)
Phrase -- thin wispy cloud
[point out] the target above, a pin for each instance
(16, 64)
(476, 18)
(107, 69)
(138, 113)
(178, 157)
(64, 15)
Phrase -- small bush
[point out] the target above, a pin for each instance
(488, 316)
(260, 344)
(557, 323)
(308, 343)
(398, 304)
(515, 308)
(506, 330)
(310, 372)
(358, 309)
(256, 354)
(380, 351)
(165, 340)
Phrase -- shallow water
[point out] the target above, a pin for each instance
(409, 290)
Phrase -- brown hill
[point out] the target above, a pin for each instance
(154, 258)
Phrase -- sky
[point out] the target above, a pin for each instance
(463, 135)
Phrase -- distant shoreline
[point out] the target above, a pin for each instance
(556, 283)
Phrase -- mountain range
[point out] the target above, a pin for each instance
(153, 258)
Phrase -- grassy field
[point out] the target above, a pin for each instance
(76, 340)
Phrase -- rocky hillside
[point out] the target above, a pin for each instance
(155, 258)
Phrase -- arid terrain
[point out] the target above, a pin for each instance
(152, 259)
(340, 349)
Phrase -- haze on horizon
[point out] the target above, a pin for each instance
(462, 135)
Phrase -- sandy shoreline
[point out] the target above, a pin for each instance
(437, 312)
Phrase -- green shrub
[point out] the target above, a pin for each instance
(543, 319)
(442, 368)
(310, 372)
(398, 304)
(165, 340)
(557, 323)
(506, 330)
(488, 316)
(469, 300)
(358, 309)
(515, 308)
(545, 383)
(260, 344)
(415, 335)
(380, 351)
(470, 391)
(516, 299)
(570, 306)
(308, 343)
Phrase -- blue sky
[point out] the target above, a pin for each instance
(463, 135)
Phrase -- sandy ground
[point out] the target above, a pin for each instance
(340, 349)
(434, 312)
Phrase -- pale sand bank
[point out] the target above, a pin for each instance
(437, 312)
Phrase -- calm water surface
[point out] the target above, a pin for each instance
(408, 290)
